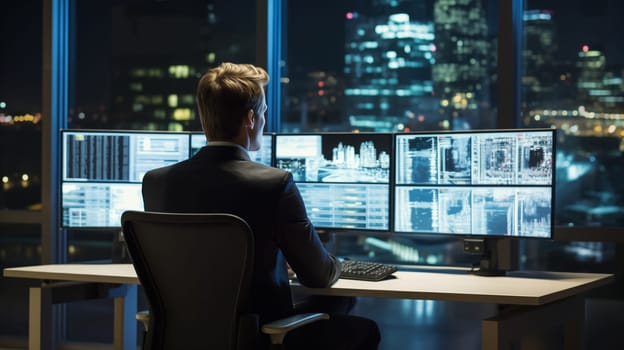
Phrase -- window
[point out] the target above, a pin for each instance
(138, 63)
(20, 245)
(20, 155)
(135, 66)
(388, 65)
(20, 106)
(573, 80)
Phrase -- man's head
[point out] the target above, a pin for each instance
(231, 103)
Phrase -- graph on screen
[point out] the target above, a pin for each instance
(490, 183)
(102, 172)
(344, 178)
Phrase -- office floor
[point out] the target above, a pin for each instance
(433, 325)
(426, 324)
(404, 324)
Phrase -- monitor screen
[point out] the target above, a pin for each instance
(485, 183)
(102, 172)
(344, 178)
(264, 155)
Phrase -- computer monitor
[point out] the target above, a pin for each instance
(489, 183)
(344, 178)
(102, 172)
(264, 155)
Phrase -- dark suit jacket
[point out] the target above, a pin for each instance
(223, 179)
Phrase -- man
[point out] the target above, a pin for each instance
(221, 178)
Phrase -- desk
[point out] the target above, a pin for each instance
(528, 299)
(64, 283)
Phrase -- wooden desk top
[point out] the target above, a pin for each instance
(517, 288)
(99, 273)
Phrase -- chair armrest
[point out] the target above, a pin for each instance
(144, 317)
(277, 329)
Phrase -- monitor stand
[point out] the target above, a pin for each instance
(488, 248)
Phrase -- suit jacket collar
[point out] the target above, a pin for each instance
(224, 152)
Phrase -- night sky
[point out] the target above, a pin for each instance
(596, 23)
(20, 55)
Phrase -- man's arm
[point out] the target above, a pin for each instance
(300, 243)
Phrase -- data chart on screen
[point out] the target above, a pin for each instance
(102, 172)
(119, 156)
(344, 178)
(498, 183)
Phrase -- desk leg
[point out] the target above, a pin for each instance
(574, 328)
(529, 326)
(40, 319)
(42, 299)
(125, 326)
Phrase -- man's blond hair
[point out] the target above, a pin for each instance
(225, 94)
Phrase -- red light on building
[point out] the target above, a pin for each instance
(320, 84)
(321, 92)
(349, 15)
(421, 118)
(585, 48)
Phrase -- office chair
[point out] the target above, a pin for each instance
(196, 272)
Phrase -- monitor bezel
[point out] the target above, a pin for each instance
(323, 230)
(552, 230)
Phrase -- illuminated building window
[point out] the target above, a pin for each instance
(175, 127)
(172, 100)
(155, 73)
(151, 126)
(187, 99)
(182, 114)
(138, 73)
(157, 100)
(141, 99)
(179, 71)
(160, 114)
(138, 87)
(211, 57)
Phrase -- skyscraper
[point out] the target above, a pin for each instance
(388, 59)
(539, 75)
(599, 88)
(464, 60)
(161, 49)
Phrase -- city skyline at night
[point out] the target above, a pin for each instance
(130, 72)
(388, 66)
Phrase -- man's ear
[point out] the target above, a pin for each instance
(249, 122)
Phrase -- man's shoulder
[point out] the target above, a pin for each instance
(262, 171)
(160, 170)
(164, 170)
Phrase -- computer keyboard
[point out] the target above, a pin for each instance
(366, 270)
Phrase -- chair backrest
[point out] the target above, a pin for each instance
(196, 272)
